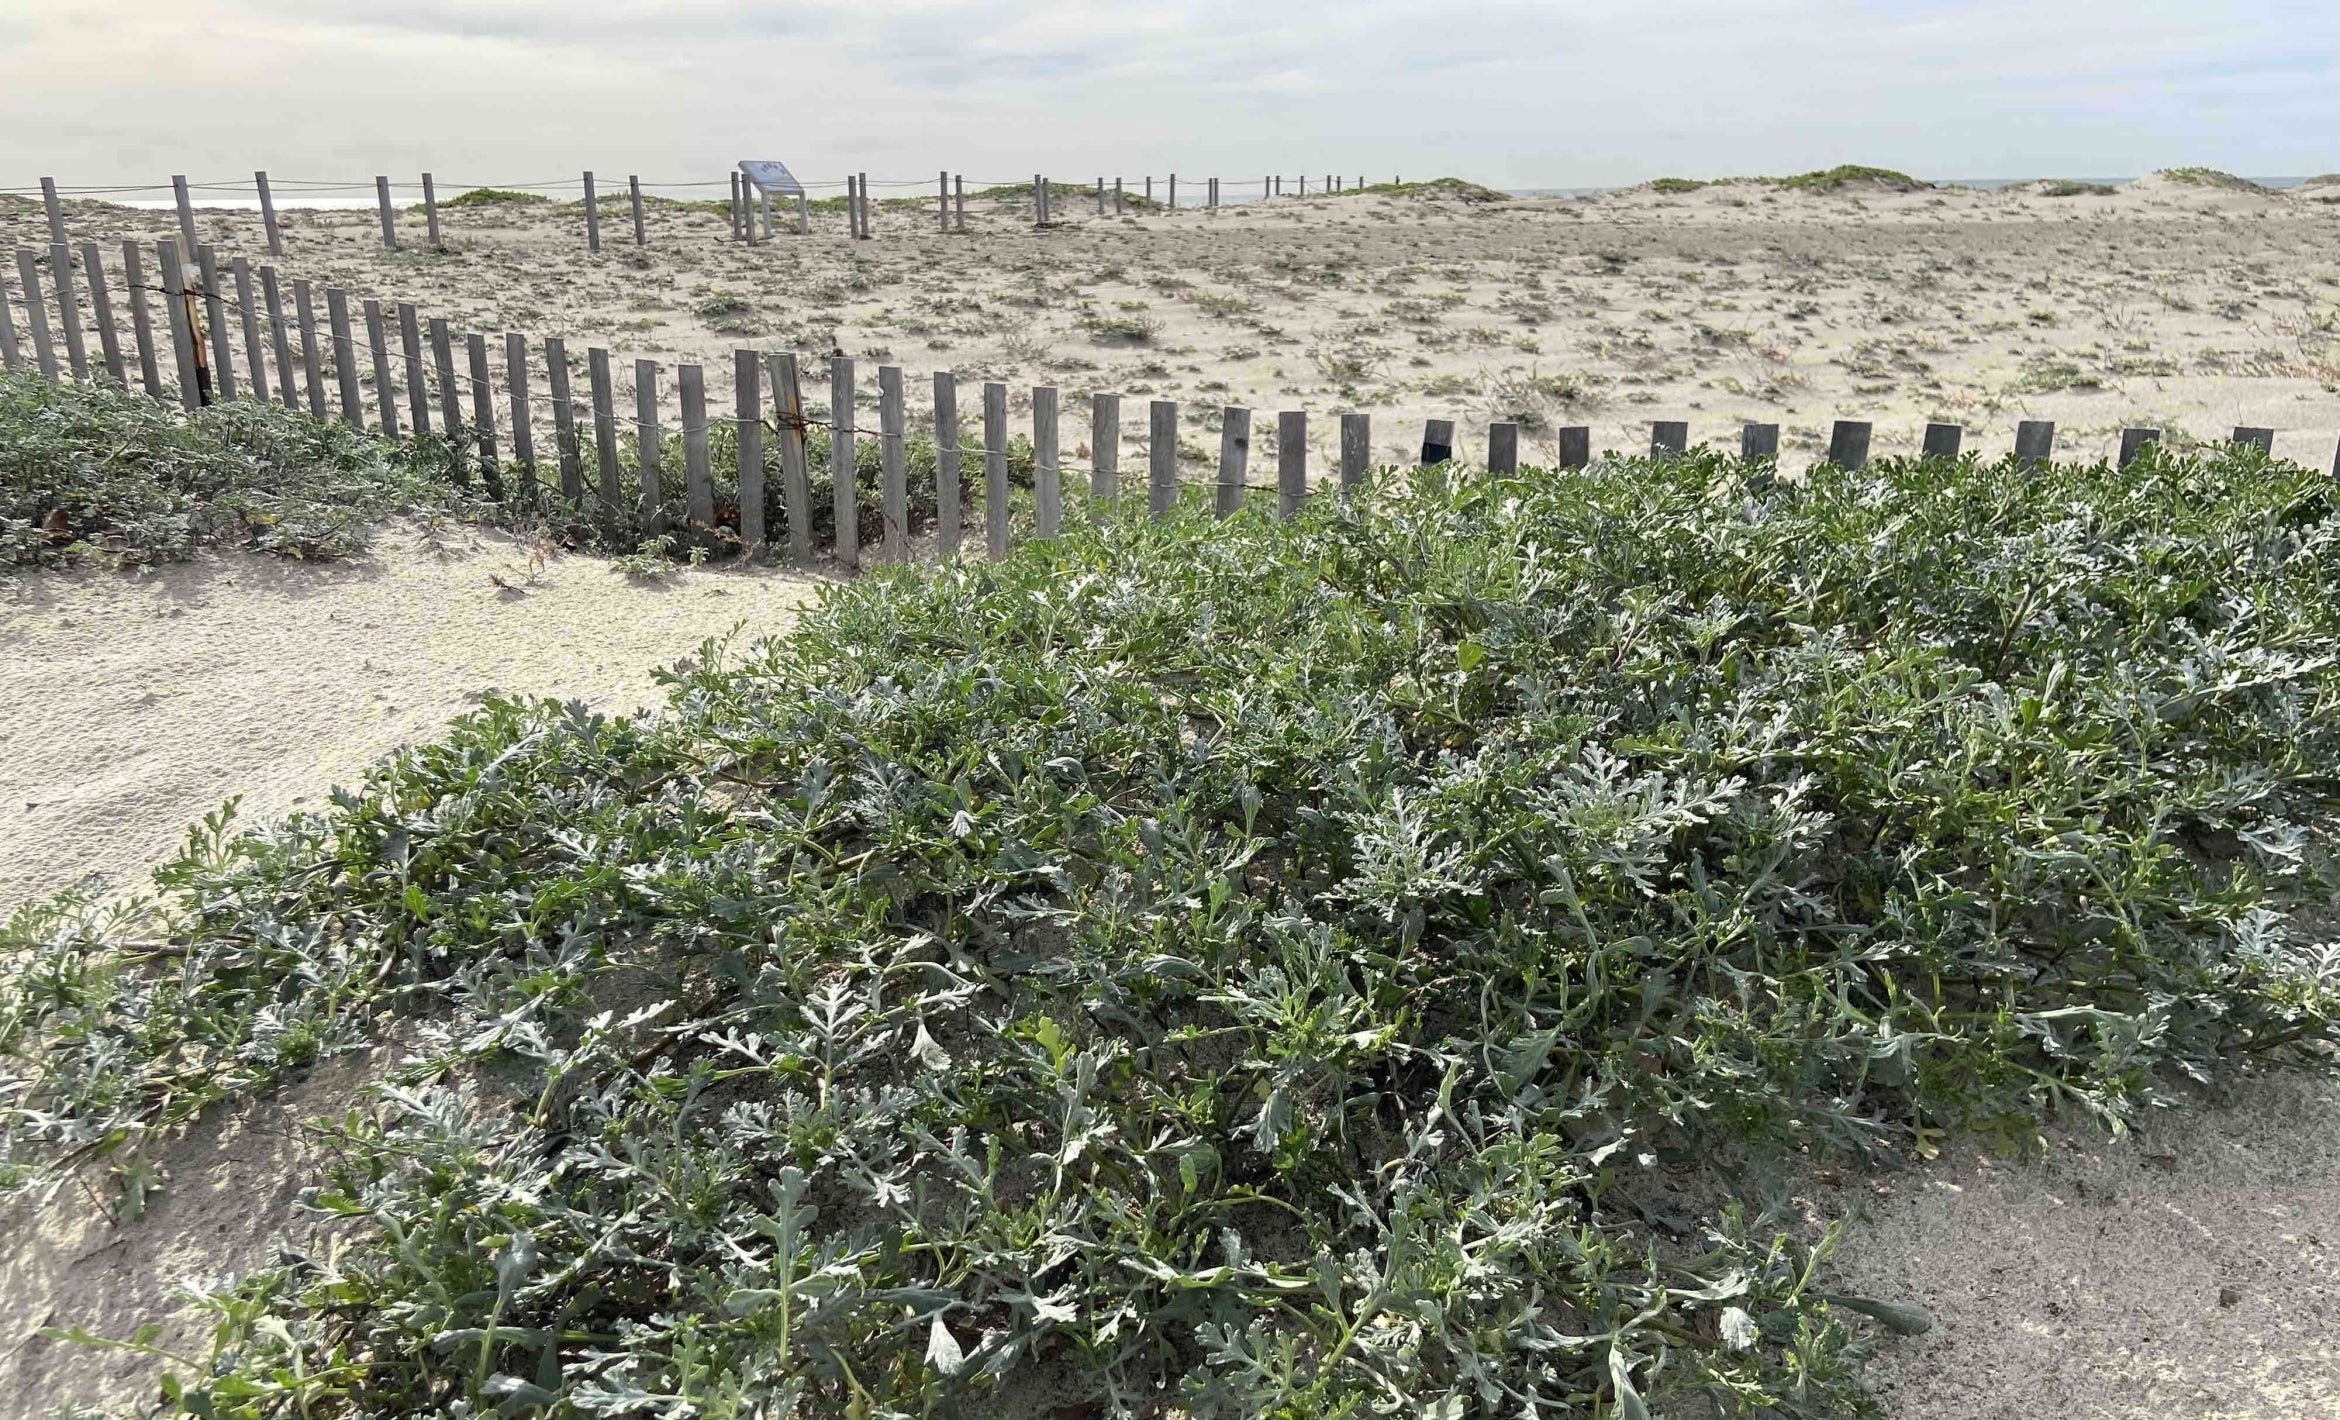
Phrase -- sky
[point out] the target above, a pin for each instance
(1509, 93)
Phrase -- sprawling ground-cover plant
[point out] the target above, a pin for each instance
(94, 471)
(1253, 969)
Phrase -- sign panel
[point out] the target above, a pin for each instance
(773, 178)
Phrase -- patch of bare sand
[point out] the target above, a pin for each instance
(2190, 1273)
(131, 704)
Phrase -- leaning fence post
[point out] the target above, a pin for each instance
(1356, 449)
(187, 238)
(483, 416)
(698, 463)
(1942, 441)
(516, 390)
(223, 367)
(345, 366)
(450, 398)
(268, 213)
(385, 379)
(2035, 442)
(649, 489)
(141, 325)
(68, 310)
(418, 384)
(312, 361)
(1291, 462)
(634, 195)
(1848, 445)
(389, 220)
(844, 491)
(1105, 447)
(795, 475)
(949, 505)
(101, 311)
(2134, 443)
(431, 209)
(174, 289)
(1234, 459)
(56, 212)
(748, 405)
(565, 446)
(1437, 442)
(255, 354)
(1047, 479)
(1503, 447)
(1162, 458)
(1758, 443)
(995, 469)
(280, 339)
(592, 217)
(893, 466)
(606, 484)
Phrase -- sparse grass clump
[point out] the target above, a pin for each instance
(2066, 187)
(1674, 186)
(2208, 177)
(97, 473)
(1255, 969)
(1849, 175)
(497, 197)
(1446, 188)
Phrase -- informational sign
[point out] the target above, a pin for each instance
(773, 178)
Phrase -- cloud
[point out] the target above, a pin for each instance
(1513, 92)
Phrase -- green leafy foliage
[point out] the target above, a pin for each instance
(498, 197)
(1849, 175)
(98, 473)
(1253, 968)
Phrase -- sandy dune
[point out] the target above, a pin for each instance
(2194, 308)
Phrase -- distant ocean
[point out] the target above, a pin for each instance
(1979, 184)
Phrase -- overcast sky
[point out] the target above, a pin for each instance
(1512, 93)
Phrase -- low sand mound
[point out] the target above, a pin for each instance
(133, 704)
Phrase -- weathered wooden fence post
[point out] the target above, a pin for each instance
(55, 211)
(450, 399)
(385, 377)
(174, 294)
(1105, 448)
(2035, 442)
(2245, 436)
(523, 433)
(345, 367)
(1162, 458)
(1437, 442)
(1758, 443)
(142, 326)
(1234, 460)
(609, 479)
(942, 199)
(389, 217)
(2134, 442)
(649, 483)
(312, 358)
(1356, 449)
(893, 467)
(634, 196)
(1942, 441)
(844, 490)
(223, 367)
(1848, 445)
(188, 241)
(1047, 473)
(747, 375)
(698, 462)
(565, 446)
(101, 310)
(1669, 438)
(995, 469)
(418, 385)
(1572, 446)
(255, 354)
(1503, 447)
(483, 415)
(279, 337)
(431, 209)
(28, 275)
(1291, 462)
(949, 503)
(268, 213)
(68, 310)
(11, 354)
(795, 473)
(592, 216)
